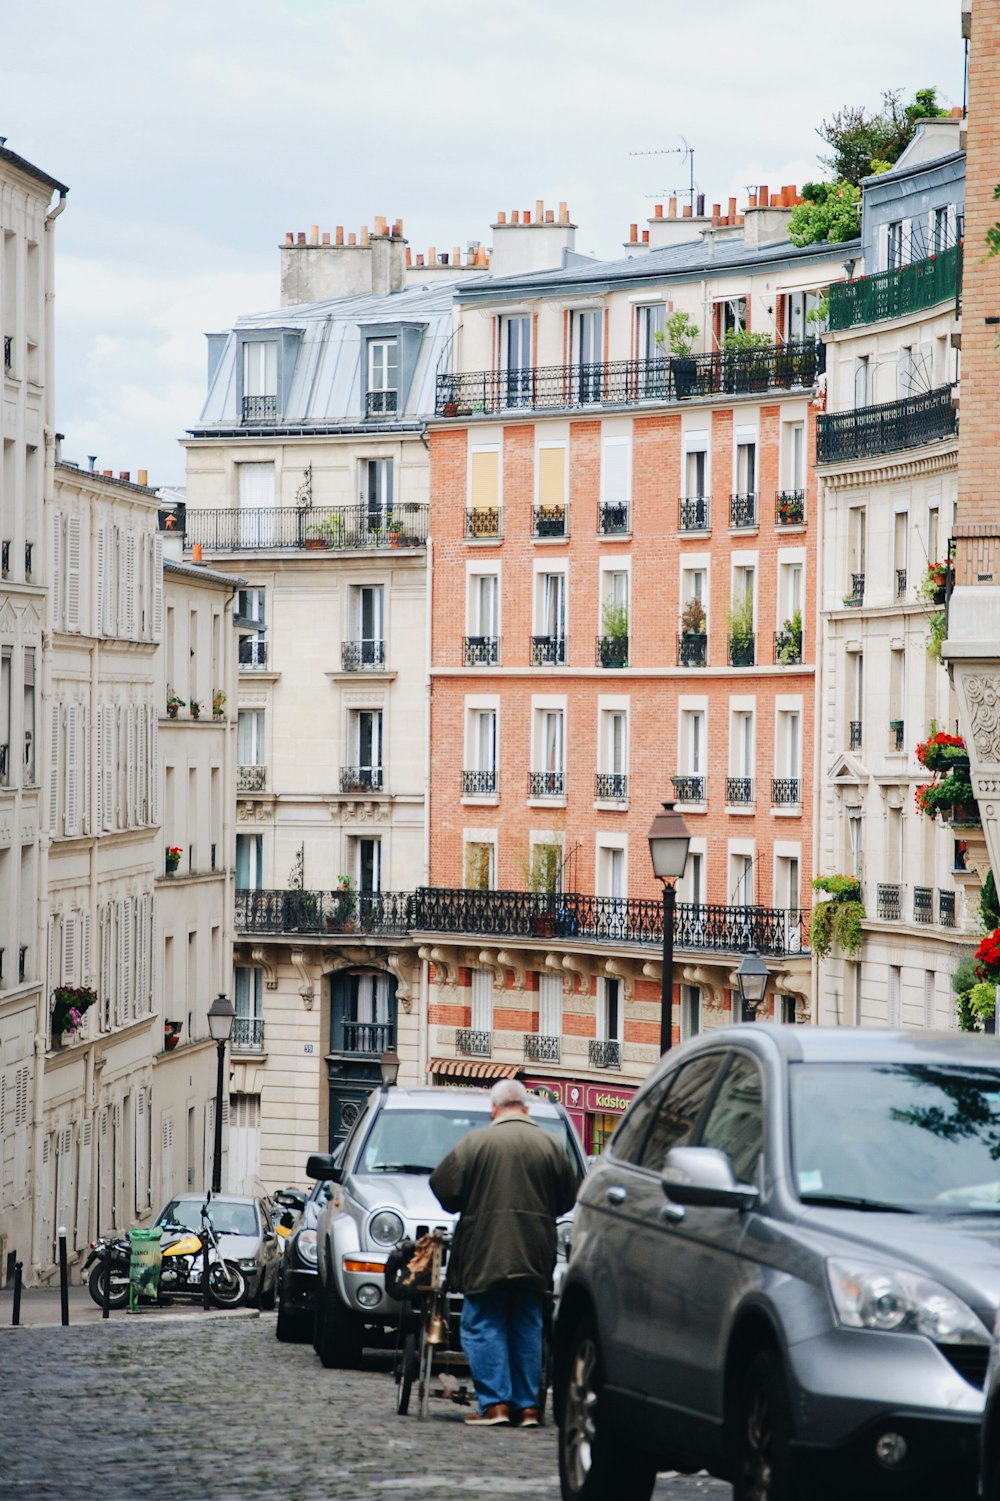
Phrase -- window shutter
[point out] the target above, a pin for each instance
(108, 766)
(69, 951)
(57, 580)
(121, 995)
(55, 725)
(141, 770)
(131, 550)
(615, 473)
(154, 767)
(141, 1151)
(65, 1184)
(85, 789)
(166, 1157)
(485, 479)
(85, 948)
(157, 587)
(83, 1180)
(143, 1000)
(72, 809)
(551, 476)
(130, 768)
(121, 554)
(73, 549)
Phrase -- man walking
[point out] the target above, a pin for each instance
(509, 1181)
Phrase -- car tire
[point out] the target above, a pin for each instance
(338, 1342)
(266, 1300)
(593, 1462)
(762, 1433)
(291, 1328)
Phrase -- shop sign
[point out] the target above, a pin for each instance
(601, 1100)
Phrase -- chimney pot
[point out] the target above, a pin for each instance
(539, 210)
(409, 259)
(108, 473)
(397, 228)
(124, 474)
(196, 552)
(550, 216)
(456, 255)
(143, 477)
(340, 234)
(352, 238)
(326, 237)
(716, 211)
(431, 255)
(289, 237)
(658, 211)
(502, 216)
(645, 237)
(314, 234)
(365, 236)
(633, 233)
(526, 216)
(752, 200)
(563, 214)
(732, 208)
(420, 260)
(686, 211)
(762, 196)
(671, 208)
(515, 217)
(302, 237)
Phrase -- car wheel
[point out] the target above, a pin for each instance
(762, 1433)
(291, 1328)
(339, 1340)
(593, 1463)
(266, 1300)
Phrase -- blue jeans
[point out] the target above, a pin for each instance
(502, 1339)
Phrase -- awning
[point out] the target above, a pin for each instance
(472, 1068)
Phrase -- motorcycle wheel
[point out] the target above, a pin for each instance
(119, 1286)
(227, 1284)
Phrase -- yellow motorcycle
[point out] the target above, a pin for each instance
(182, 1259)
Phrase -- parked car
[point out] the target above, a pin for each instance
(785, 1269)
(297, 1274)
(381, 1193)
(246, 1236)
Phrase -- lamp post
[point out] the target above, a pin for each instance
(668, 849)
(389, 1067)
(220, 1024)
(751, 977)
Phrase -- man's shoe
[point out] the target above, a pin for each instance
(492, 1417)
(526, 1418)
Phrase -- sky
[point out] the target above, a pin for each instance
(192, 136)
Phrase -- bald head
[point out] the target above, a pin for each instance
(508, 1095)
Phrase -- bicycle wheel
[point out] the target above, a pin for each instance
(407, 1371)
(426, 1362)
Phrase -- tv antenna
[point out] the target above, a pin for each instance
(686, 153)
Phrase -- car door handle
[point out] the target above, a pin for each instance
(616, 1194)
(674, 1213)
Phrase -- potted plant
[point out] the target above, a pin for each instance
(343, 907)
(195, 709)
(171, 1035)
(791, 508)
(739, 621)
(789, 642)
(744, 370)
(614, 641)
(173, 857)
(174, 702)
(694, 640)
(934, 584)
(67, 1008)
(938, 623)
(544, 870)
(838, 921)
(679, 335)
(218, 703)
(395, 532)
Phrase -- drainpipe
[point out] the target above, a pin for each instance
(428, 686)
(818, 720)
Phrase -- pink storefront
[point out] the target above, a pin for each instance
(595, 1109)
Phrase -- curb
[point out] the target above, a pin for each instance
(150, 1316)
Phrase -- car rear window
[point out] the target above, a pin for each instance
(415, 1141)
(227, 1218)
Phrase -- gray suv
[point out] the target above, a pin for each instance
(381, 1193)
(785, 1269)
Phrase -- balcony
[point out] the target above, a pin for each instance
(251, 778)
(695, 513)
(549, 521)
(371, 1039)
(260, 409)
(888, 902)
(4, 560)
(362, 656)
(692, 649)
(743, 512)
(790, 508)
(611, 786)
(8, 345)
(377, 913)
(855, 597)
(280, 528)
(381, 403)
(361, 779)
(482, 651)
(612, 519)
(854, 734)
(689, 789)
(894, 293)
(739, 790)
(4, 764)
(946, 909)
(28, 553)
(540, 1049)
(484, 521)
(479, 783)
(787, 648)
(612, 651)
(252, 652)
(900, 583)
(546, 784)
(630, 382)
(897, 735)
(248, 1034)
(473, 1043)
(889, 427)
(786, 792)
(742, 651)
(548, 651)
(604, 1054)
(923, 904)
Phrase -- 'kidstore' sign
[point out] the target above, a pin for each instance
(594, 1099)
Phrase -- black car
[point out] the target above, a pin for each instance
(297, 1274)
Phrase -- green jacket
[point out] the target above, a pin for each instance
(509, 1181)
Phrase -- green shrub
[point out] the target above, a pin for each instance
(989, 907)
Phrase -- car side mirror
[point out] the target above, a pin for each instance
(323, 1165)
(290, 1198)
(704, 1176)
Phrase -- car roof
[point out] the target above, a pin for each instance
(805, 1044)
(215, 1199)
(457, 1100)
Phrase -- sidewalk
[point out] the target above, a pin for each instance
(41, 1308)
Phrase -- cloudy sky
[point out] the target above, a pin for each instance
(193, 135)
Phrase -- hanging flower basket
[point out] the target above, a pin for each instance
(68, 1006)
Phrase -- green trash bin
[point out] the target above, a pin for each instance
(144, 1264)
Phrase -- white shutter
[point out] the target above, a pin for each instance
(85, 788)
(131, 601)
(154, 767)
(141, 766)
(121, 555)
(209, 1153)
(73, 547)
(22, 1130)
(128, 957)
(44, 1191)
(102, 581)
(55, 724)
(121, 988)
(65, 1184)
(107, 772)
(83, 1179)
(85, 948)
(57, 579)
(130, 767)
(72, 801)
(69, 948)
(141, 1151)
(166, 1158)
(53, 949)
(157, 587)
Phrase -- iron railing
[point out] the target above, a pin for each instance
(854, 734)
(540, 1049)
(856, 595)
(342, 528)
(923, 904)
(613, 518)
(473, 1043)
(252, 651)
(695, 513)
(692, 649)
(361, 779)
(726, 372)
(372, 1038)
(484, 521)
(482, 651)
(789, 507)
(946, 909)
(887, 428)
(381, 403)
(4, 762)
(888, 901)
(742, 511)
(479, 783)
(260, 409)
(786, 792)
(612, 651)
(894, 293)
(248, 1034)
(739, 790)
(550, 521)
(787, 648)
(8, 346)
(897, 734)
(611, 785)
(251, 778)
(28, 550)
(546, 783)
(357, 655)
(523, 914)
(689, 789)
(604, 1054)
(548, 651)
(741, 651)
(4, 559)
(900, 583)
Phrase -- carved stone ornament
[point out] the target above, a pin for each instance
(518, 967)
(303, 964)
(259, 957)
(361, 812)
(982, 696)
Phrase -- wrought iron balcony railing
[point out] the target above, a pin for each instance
(692, 649)
(613, 519)
(479, 783)
(897, 734)
(550, 521)
(689, 789)
(370, 1038)
(786, 792)
(28, 554)
(540, 1049)
(900, 583)
(695, 513)
(790, 507)
(626, 382)
(923, 904)
(946, 909)
(473, 1043)
(546, 784)
(612, 651)
(248, 1034)
(4, 763)
(522, 914)
(742, 651)
(361, 779)
(888, 901)
(855, 597)
(252, 651)
(381, 403)
(260, 409)
(743, 511)
(548, 651)
(604, 1054)
(893, 293)
(356, 656)
(612, 786)
(8, 345)
(483, 521)
(4, 559)
(340, 528)
(787, 648)
(739, 790)
(251, 778)
(854, 734)
(887, 428)
(482, 651)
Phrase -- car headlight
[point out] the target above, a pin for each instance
(247, 1263)
(564, 1230)
(871, 1296)
(386, 1228)
(307, 1246)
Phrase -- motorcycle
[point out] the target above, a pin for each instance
(180, 1267)
(121, 1257)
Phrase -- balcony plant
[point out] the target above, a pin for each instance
(679, 336)
(68, 1006)
(693, 618)
(963, 981)
(950, 794)
(218, 703)
(791, 509)
(174, 853)
(739, 623)
(934, 584)
(938, 623)
(343, 906)
(942, 752)
(752, 373)
(838, 921)
(614, 641)
(174, 702)
(195, 708)
(789, 641)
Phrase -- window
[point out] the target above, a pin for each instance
(695, 473)
(383, 377)
(609, 1009)
(794, 455)
(376, 492)
(550, 619)
(894, 245)
(741, 885)
(368, 864)
(789, 590)
(787, 881)
(615, 485)
(614, 741)
(856, 542)
(741, 745)
(854, 839)
(253, 648)
(482, 647)
(5, 713)
(651, 320)
(678, 1113)
(250, 753)
(550, 513)
(788, 744)
(367, 737)
(546, 867)
(939, 231)
(932, 534)
(483, 519)
(895, 996)
(900, 549)
(587, 346)
(482, 1000)
(256, 519)
(690, 1010)
(550, 1005)
(611, 872)
(515, 342)
(28, 719)
(905, 371)
(862, 390)
(249, 862)
(480, 865)
(929, 984)
(746, 468)
(260, 380)
(735, 1123)
(731, 317)
(248, 997)
(368, 607)
(691, 886)
(481, 777)
(693, 742)
(548, 777)
(800, 326)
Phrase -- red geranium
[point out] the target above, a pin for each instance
(930, 750)
(987, 956)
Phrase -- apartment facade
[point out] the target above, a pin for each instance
(887, 476)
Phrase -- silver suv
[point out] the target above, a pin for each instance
(785, 1269)
(381, 1193)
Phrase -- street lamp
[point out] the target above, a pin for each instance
(389, 1067)
(751, 977)
(220, 1024)
(668, 849)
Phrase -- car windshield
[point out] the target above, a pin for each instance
(918, 1137)
(228, 1218)
(414, 1141)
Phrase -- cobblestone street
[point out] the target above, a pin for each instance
(220, 1411)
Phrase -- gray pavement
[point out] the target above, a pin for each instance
(189, 1408)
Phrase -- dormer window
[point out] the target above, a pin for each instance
(382, 397)
(260, 381)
